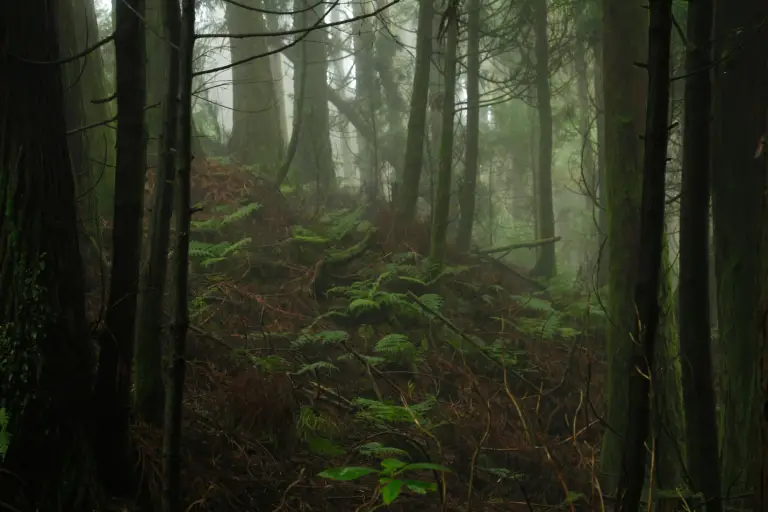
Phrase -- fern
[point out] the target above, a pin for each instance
(380, 413)
(217, 223)
(304, 235)
(324, 337)
(313, 367)
(534, 303)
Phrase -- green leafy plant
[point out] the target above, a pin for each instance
(392, 478)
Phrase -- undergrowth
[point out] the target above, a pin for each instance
(396, 366)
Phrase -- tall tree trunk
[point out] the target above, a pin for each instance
(468, 188)
(47, 359)
(545, 263)
(148, 383)
(443, 194)
(695, 343)
(407, 193)
(157, 49)
(625, 34)
(176, 372)
(632, 477)
(92, 150)
(367, 96)
(113, 383)
(315, 158)
(737, 179)
(588, 174)
(257, 134)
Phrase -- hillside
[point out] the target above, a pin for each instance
(320, 345)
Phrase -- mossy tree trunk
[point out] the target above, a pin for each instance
(624, 32)
(737, 179)
(47, 359)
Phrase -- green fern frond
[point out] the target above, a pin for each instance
(379, 412)
(394, 343)
(432, 301)
(535, 303)
(318, 365)
(324, 337)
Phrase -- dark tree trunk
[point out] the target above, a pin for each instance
(116, 341)
(632, 478)
(695, 343)
(47, 360)
(149, 315)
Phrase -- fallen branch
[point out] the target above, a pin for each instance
(521, 245)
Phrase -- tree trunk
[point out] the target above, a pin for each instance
(632, 476)
(408, 185)
(695, 343)
(443, 194)
(92, 150)
(625, 34)
(116, 340)
(176, 372)
(545, 263)
(148, 383)
(47, 359)
(737, 180)
(257, 134)
(315, 158)
(367, 96)
(468, 188)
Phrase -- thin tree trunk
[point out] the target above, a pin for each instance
(632, 478)
(148, 384)
(116, 340)
(468, 189)
(175, 389)
(443, 194)
(407, 193)
(545, 263)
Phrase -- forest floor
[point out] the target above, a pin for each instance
(318, 343)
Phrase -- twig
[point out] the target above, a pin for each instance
(287, 489)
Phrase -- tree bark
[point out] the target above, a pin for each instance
(443, 194)
(116, 340)
(47, 358)
(695, 342)
(545, 263)
(632, 477)
(468, 187)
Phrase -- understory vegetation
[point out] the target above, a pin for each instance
(333, 367)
